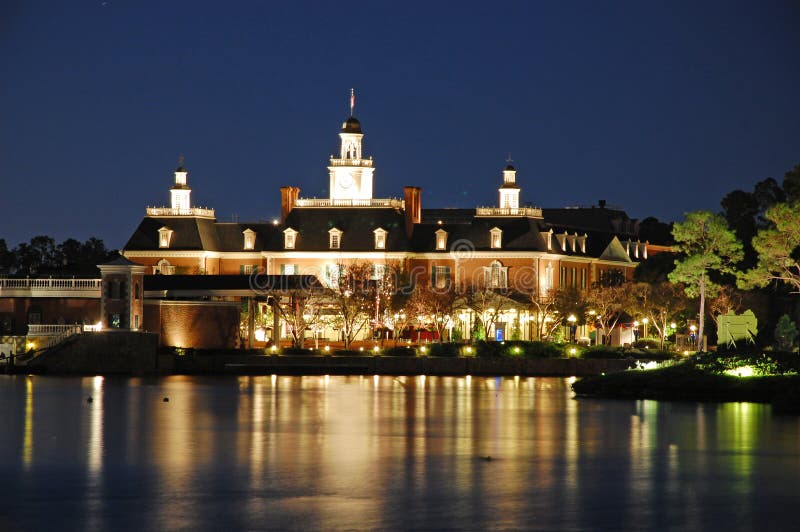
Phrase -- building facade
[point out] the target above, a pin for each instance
(526, 251)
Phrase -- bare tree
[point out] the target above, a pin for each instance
(607, 303)
(434, 306)
(660, 303)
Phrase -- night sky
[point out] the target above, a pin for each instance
(658, 107)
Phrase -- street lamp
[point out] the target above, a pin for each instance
(645, 321)
(572, 327)
(636, 331)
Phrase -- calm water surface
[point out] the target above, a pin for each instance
(328, 453)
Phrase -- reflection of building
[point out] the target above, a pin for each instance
(511, 246)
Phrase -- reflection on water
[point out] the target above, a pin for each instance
(383, 452)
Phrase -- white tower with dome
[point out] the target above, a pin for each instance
(351, 173)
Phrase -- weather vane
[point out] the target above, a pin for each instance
(352, 100)
(180, 160)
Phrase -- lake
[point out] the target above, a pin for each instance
(364, 452)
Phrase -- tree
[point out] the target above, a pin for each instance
(301, 311)
(606, 304)
(660, 303)
(544, 315)
(791, 184)
(486, 303)
(778, 249)
(728, 299)
(434, 306)
(360, 292)
(707, 246)
(785, 332)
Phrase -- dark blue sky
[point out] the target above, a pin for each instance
(659, 107)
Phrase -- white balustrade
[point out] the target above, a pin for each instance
(394, 203)
(352, 162)
(50, 283)
(534, 212)
(168, 211)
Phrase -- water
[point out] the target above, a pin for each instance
(328, 453)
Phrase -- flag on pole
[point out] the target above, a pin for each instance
(352, 100)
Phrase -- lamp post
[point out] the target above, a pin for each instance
(635, 331)
(572, 327)
(645, 321)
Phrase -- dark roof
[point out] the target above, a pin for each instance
(509, 167)
(351, 125)
(357, 226)
(519, 233)
(181, 169)
(189, 234)
(120, 261)
(583, 219)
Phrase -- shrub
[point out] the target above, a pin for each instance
(350, 353)
(399, 351)
(296, 351)
(443, 350)
(604, 351)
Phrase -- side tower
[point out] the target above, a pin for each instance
(351, 173)
(509, 190)
(180, 193)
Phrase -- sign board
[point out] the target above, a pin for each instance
(732, 328)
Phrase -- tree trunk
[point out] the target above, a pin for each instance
(701, 320)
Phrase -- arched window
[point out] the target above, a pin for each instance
(496, 275)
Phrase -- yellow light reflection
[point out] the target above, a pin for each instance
(94, 451)
(27, 443)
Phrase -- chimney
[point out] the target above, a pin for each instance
(289, 197)
(602, 203)
(413, 207)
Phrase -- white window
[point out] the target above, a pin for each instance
(441, 240)
(496, 275)
(331, 274)
(164, 268)
(378, 272)
(440, 277)
(380, 238)
(247, 269)
(547, 282)
(289, 238)
(289, 269)
(335, 238)
(496, 237)
(249, 239)
(164, 237)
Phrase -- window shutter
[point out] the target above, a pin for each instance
(433, 276)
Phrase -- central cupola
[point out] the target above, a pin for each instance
(351, 173)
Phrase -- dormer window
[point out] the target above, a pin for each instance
(572, 242)
(289, 238)
(496, 238)
(562, 241)
(249, 239)
(441, 240)
(164, 237)
(335, 236)
(380, 238)
(549, 237)
(582, 242)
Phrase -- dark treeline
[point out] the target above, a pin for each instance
(744, 212)
(43, 256)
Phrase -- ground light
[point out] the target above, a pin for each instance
(423, 349)
(376, 349)
(741, 371)
(327, 348)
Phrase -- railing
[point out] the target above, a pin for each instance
(50, 335)
(351, 162)
(53, 330)
(167, 211)
(50, 284)
(534, 212)
(394, 203)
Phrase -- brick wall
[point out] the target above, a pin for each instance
(198, 324)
